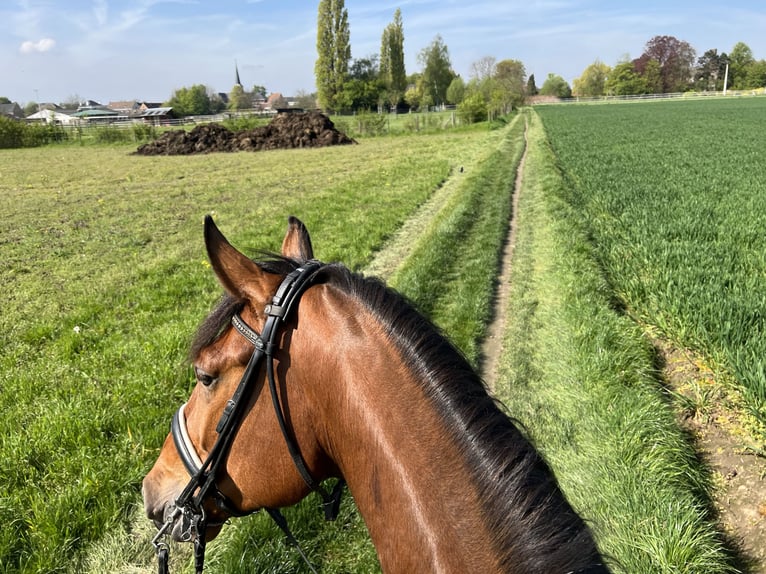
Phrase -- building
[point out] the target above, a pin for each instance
(12, 111)
(157, 116)
(54, 115)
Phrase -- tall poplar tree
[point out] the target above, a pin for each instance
(392, 70)
(334, 53)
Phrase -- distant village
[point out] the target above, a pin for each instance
(156, 113)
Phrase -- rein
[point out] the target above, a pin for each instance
(188, 506)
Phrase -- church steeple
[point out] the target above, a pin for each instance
(236, 71)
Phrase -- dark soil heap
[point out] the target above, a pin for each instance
(287, 130)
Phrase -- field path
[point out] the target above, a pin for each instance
(493, 341)
(401, 244)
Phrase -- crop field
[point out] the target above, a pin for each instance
(672, 194)
(105, 280)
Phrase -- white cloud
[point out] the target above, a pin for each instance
(43, 45)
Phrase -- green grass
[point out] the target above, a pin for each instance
(579, 375)
(105, 280)
(451, 271)
(672, 196)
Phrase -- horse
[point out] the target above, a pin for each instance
(350, 381)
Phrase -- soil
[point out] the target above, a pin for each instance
(493, 343)
(286, 131)
(738, 467)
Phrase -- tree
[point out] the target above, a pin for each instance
(592, 83)
(334, 53)
(756, 75)
(456, 91)
(710, 72)
(239, 99)
(531, 86)
(31, 108)
(653, 77)
(437, 72)
(483, 68)
(557, 86)
(305, 101)
(4, 100)
(676, 59)
(392, 70)
(72, 102)
(624, 80)
(740, 57)
(473, 108)
(413, 97)
(193, 101)
(510, 77)
(363, 88)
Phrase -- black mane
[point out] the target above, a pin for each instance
(535, 529)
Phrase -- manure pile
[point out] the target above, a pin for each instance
(286, 131)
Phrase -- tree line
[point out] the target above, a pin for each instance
(670, 65)
(380, 82)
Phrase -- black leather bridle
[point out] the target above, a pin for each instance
(188, 507)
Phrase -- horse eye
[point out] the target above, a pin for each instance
(205, 378)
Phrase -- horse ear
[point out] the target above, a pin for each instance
(297, 242)
(241, 277)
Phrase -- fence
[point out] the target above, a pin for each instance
(655, 97)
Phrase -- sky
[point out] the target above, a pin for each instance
(111, 50)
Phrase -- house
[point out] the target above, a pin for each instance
(259, 101)
(148, 106)
(57, 116)
(157, 116)
(12, 111)
(126, 108)
(99, 114)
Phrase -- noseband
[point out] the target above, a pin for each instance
(188, 507)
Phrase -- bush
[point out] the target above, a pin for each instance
(16, 134)
(247, 122)
(111, 134)
(144, 132)
(11, 133)
(371, 124)
(473, 109)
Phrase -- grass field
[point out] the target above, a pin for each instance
(106, 281)
(672, 194)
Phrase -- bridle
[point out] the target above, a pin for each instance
(188, 507)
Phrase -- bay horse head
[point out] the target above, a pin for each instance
(307, 371)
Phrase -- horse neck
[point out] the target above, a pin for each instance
(410, 476)
(406, 476)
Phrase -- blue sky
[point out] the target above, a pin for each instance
(108, 50)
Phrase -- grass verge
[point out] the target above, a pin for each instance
(580, 376)
(451, 271)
